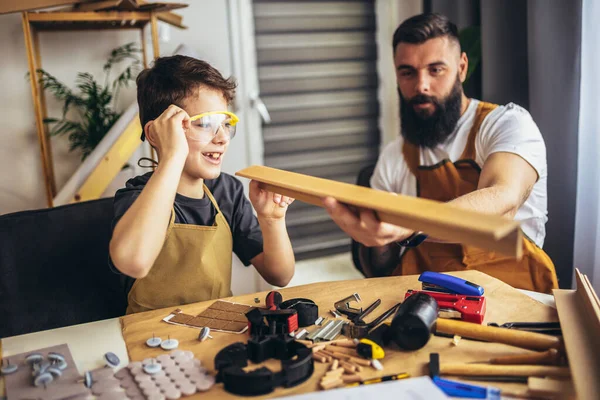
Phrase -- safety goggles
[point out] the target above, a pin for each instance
(204, 127)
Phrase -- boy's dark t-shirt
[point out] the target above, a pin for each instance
(229, 195)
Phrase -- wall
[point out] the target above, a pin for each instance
(390, 15)
(504, 52)
(64, 54)
(554, 42)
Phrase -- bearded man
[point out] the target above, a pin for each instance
(471, 154)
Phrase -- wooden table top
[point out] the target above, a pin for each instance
(504, 304)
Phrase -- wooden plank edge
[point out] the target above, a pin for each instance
(510, 243)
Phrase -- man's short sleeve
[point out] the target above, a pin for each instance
(513, 130)
(384, 175)
(247, 236)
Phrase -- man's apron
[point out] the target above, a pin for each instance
(446, 181)
(194, 265)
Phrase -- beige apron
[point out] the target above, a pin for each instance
(446, 181)
(194, 265)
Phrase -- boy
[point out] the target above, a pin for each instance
(175, 228)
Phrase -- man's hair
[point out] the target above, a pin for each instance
(422, 27)
(172, 79)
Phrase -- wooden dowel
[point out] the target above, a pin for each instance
(548, 357)
(360, 361)
(504, 370)
(358, 367)
(522, 339)
(341, 356)
(351, 378)
(327, 357)
(318, 348)
(350, 343)
(331, 384)
(334, 372)
(347, 367)
(335, 364)
(344, 350)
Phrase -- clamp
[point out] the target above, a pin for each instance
(361, 329)
(343, 306)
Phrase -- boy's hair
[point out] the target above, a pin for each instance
(422, 27)
(172, 79)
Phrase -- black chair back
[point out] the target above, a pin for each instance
(54, 268)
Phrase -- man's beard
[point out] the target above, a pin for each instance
(428, 130)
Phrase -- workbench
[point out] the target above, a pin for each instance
(127, 336)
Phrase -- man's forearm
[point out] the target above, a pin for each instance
(278, 268)
(140, 233)
(496, 200)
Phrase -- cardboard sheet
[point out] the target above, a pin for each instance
(434, 218)
(579, 312)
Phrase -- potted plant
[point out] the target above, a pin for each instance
(94, 106)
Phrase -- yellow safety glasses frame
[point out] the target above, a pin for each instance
(205, 126)
(234, 118)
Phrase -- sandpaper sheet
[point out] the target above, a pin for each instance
(222, 316)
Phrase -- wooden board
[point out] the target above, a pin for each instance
(19, 384)
(10, 6)
(112, 162)
(504, 304)
(434, 218)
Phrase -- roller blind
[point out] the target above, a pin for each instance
(318, 78)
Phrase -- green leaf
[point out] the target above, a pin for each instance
(470, 43)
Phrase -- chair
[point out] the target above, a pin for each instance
(54, 268)
(363, 179)
(365, 260)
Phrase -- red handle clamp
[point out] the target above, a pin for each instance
(470, 308)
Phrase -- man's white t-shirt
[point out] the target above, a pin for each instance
(508, 128)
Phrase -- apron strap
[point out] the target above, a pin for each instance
(214, 202)
(483, 109)
(411, 157)
(212, 199)
(171, 223)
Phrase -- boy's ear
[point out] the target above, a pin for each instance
(147, 133)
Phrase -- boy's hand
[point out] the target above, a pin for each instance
(167, 133)
(267, 204)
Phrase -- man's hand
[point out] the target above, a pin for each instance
(167, 133)
(365, 228)
(268, 205)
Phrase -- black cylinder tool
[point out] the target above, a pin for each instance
(414, 321)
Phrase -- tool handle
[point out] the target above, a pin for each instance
(522, 339)
(549, 357)
(504, 370)
(384, 316)
(367, 310)
(451, 283)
